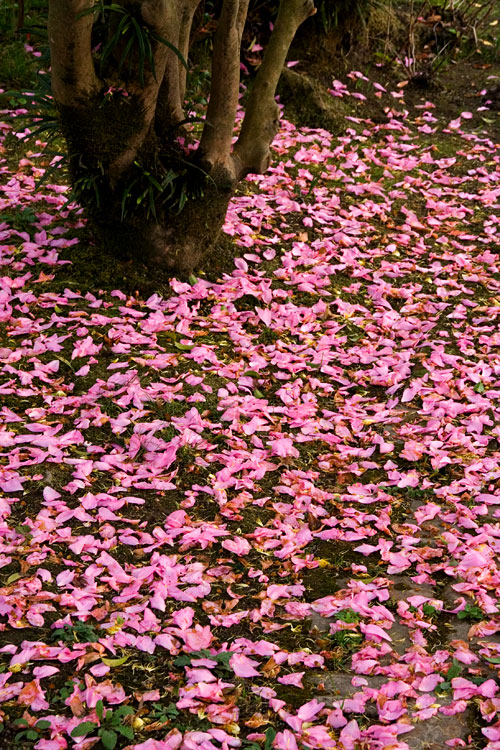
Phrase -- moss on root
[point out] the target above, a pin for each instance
(308, 104)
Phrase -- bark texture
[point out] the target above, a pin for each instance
(74, 79)
(122, 128)
(261, 120)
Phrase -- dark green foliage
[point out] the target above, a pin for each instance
(222, 658)
(22, 219)
(429, 610)
(454, 671)
(125, 45)
(18, 16)
(348, 616)
(18, 26)
(348, 640)
(132, 35)
(111, 725)
(471, 612)
(146, 190)
(16, 65)
(164, 713)
(77, 633)
(333, 14)
(28, 733)
(40, 114)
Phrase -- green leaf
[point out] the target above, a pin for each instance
(13, 577)
(182, 661)
(454, 670)
(476, 679)
(65, 361)
(149, 55)
(347, 615)
(84, 728)
(168, 44)
(493, 659)
(223, 659)
(43, 724)
(125, 730)
(258, 394)
(125, 53)
(109, 738)
(87, 12)
(192, 280)
(270, 735)
(139, 33)
(115, 662)
(479, 388)
(182, 199)
(111, 44)
(31, 735)
(471, 612)
(99, 709)
(172, 710)
(185, 659)
(183, 347)
(123, 711)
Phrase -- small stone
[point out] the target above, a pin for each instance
(322, 624)
(432, 734)
(338, 685)
(404, 587)
(401, 639)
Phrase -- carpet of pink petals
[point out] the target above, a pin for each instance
(200, 476)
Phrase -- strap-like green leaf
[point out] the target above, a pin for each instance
(142, 50)
(171, 46)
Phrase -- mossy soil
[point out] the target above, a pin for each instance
(92, 270)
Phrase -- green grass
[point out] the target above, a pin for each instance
(17, 67)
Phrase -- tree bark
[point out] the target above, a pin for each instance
(119, 142)
(74, 80)
(170, 104)
(159, 16)
(215, 144)
(20, 15)
(186, 10)
(261, 121)
(176, 241)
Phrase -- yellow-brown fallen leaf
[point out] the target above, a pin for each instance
(270, 668)
(257, 720)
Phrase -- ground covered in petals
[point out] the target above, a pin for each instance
(261, 511)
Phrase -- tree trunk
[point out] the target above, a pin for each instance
(174, 240)
(20, 15)
(145, 196)
(175, 234)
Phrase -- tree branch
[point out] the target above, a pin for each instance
(159, 16)
(74, 79)
(261, 121)
(215, 144)
(169, 109)
(186, 10)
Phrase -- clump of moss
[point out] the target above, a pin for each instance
(308, 104)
